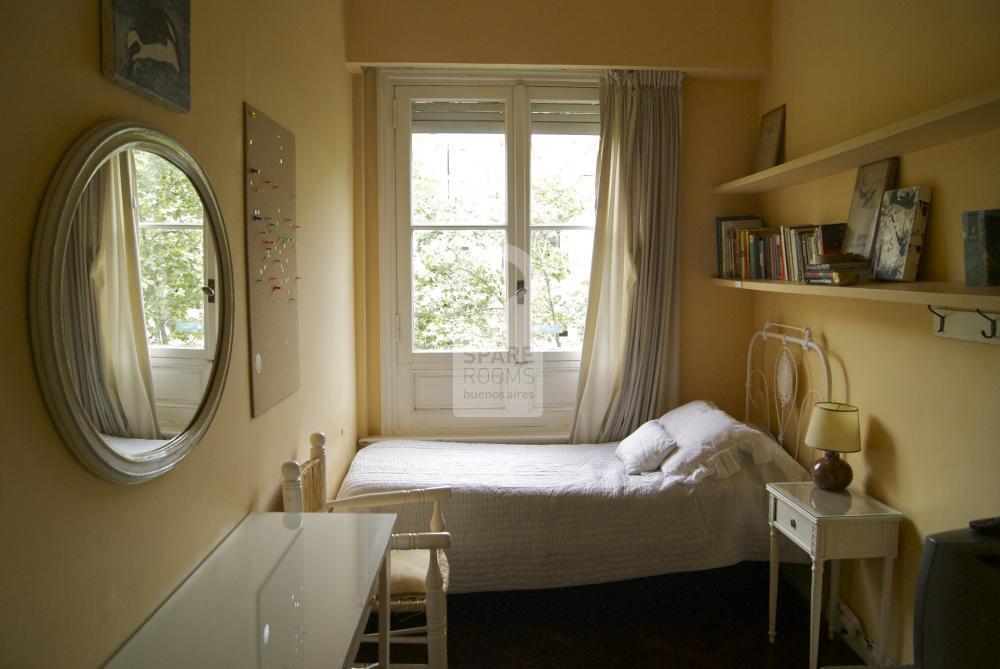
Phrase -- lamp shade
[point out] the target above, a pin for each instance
(834, 427)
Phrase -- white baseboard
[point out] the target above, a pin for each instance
(852, 632)
(856, 639)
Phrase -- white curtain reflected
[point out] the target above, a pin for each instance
(628, 370)
(81, 334)
(114, 274)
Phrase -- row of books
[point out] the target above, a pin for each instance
(746, 248)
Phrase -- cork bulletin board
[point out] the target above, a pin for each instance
(272, 271)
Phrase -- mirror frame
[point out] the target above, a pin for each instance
(46, 301)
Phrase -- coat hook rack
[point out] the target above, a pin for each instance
(993, 326)
(940, 316)
(965, 324)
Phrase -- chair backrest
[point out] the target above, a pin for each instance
(304, 487)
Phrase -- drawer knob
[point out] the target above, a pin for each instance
(791, 521)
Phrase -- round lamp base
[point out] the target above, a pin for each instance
(832, 473)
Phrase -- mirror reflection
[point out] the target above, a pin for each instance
(140, 302)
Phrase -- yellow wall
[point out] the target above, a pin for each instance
(704, 35)
(715, 326)
(83, 562)
(366, 258)
(928, 404)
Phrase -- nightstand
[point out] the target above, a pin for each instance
(831, 526)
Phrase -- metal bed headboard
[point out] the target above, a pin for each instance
(785, 380)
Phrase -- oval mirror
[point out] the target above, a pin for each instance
(131, 301)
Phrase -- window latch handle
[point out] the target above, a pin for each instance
(520, 292)
(209, 291)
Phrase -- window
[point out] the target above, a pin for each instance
(171, 253)
(458, 223)
(177, 277)
(564, 138)
(494, 208)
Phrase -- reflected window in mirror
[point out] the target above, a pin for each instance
(142, 317)
(171, 254)
(177, 266)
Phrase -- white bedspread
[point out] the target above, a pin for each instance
(543, 516)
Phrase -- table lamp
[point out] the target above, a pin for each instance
(833, 428)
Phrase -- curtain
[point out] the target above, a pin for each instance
(81, 333)
(115, 274)
(106, 331)
(629, 370)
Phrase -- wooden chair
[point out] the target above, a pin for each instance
(416, 570)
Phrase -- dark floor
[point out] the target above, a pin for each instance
(706, 619)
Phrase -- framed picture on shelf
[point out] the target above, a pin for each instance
(862, 219)
(146, 47)
(981, 238)
(771, 139)
(902, 222)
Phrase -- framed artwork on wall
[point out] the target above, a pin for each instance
(146, 47)
(862, 218)
(771, 140)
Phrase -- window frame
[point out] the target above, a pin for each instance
(396, 91)
(209, 274)
(558, 94)
(404, 95)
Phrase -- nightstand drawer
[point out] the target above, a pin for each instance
(795, 525)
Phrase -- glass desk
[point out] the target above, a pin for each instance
(282, 590)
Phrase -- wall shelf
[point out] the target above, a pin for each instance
(963, 118)
(940, 293)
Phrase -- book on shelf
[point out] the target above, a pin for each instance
(840, 261)
(761, 253)
(838, 277)
(901, 227)
(830, 237)
(726, 246)
(746, 248)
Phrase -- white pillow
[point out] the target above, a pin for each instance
(674, 420)
(702, 438)
(645, 449)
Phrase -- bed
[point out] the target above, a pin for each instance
(544, 516)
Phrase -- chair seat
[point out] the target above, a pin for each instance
(408, 571)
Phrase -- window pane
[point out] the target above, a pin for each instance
(171, 262)
(563, 167)
(459, 290)
(163, 193)
(171, 253)
(458, 178)
(560, 281)
(563, 171)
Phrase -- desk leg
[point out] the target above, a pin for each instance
(772, 599)
(384, 596)
(816, 603)
(832, 611)
(883, 619)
